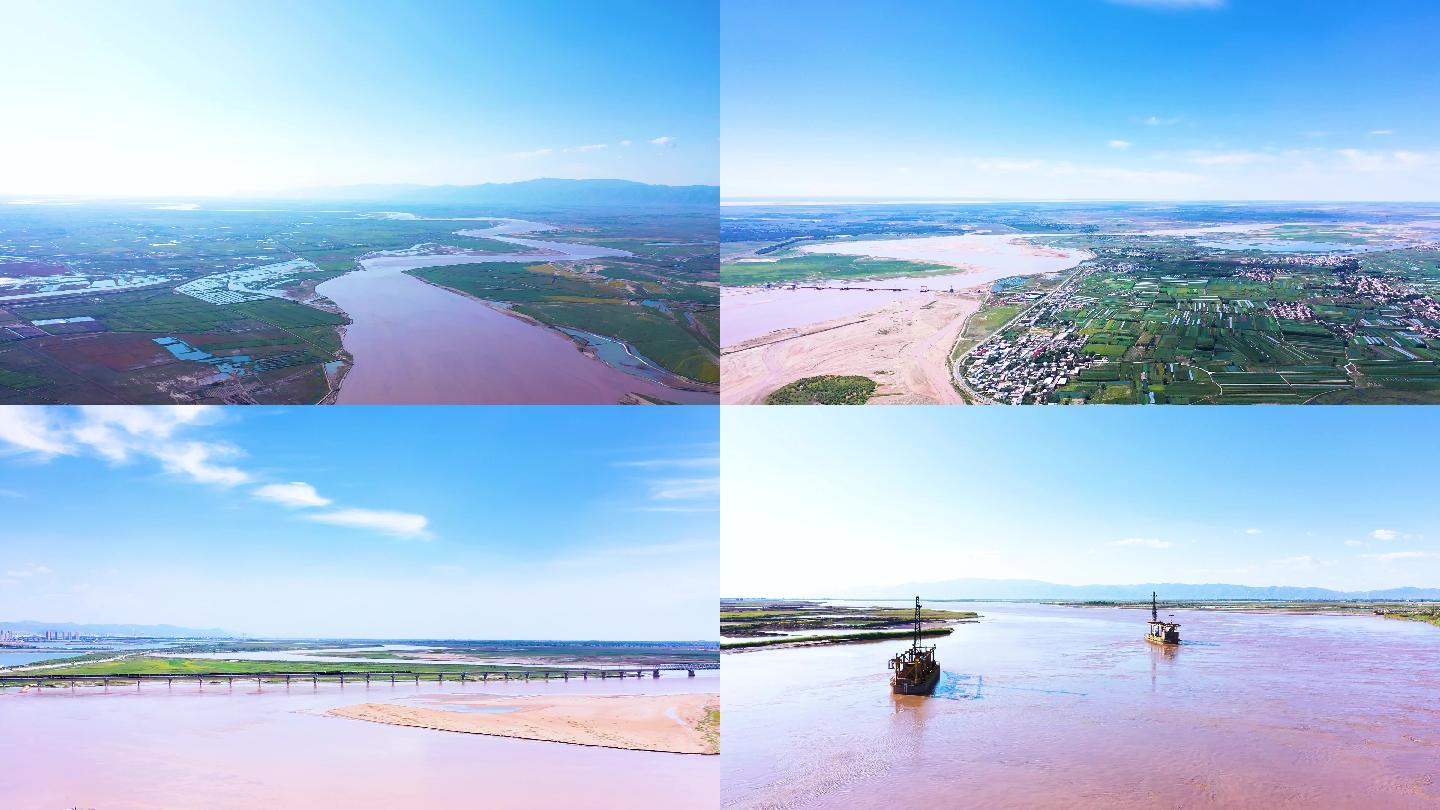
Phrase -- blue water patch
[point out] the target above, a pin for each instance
(619, 354)
(227, 367)
(654, 304)
(1007, 283)
(1290, 246)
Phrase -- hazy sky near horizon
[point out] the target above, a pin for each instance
(166, 97)
(1090, 99)
(823, 500)
(436, 522)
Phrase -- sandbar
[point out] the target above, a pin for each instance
(903, 346)
(677, 724)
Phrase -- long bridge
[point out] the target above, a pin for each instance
(355, 676)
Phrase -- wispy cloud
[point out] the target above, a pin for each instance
(1396, 556)
(121, 435)
(532, 154)
(295, 494)
(590, 147)
(11, 493)
(1382, 132)
(679, 489)
(177, 440)
(1144, 542)
(1354, 543)
(1385, 534)
(28, 571)
(1252, 531)
(664, 140)
(1159, 121)
(1119, 144)
(404, 525)
(686, 462)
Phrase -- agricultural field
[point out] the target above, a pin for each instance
(827, 390)
(161, 303)
(1185, 303)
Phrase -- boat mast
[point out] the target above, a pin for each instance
(916, 644)
(1154, 608)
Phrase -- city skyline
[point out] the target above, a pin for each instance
(1090, 99)
(1248, 496)
(442, 523)
(250, 99)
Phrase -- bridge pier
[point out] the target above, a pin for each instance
(655, 674)
(691, 672)
(367, 679)
(342, 679)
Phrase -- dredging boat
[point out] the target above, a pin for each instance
(1163, 633)
(916, 671)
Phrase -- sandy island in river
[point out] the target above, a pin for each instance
(679, 724)
(902, 346)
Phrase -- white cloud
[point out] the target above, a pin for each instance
(1382, 132)
(1157, 121)
(119, 435)
(1354, 543)
(1252, 531)
(197, 461)
(1118, 144)
(11, 493)
(295, 493)
(404, 525)
(28, 571)
(1395, 556)
(28, 429)
(1142, 541)
(624, 143)
(1385, 534)
(592, 147)
(663, 140)
(533, 153)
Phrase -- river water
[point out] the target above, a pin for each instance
(218, 748)
(981, 259)
(415, 343)
(1044, 706)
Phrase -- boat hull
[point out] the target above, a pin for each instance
(921, 687)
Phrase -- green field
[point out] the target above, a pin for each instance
(807, 267)
(838, 638)
(824, 390)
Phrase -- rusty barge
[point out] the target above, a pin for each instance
(916, 671)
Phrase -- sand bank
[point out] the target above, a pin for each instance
(668, 723)
(902, 346)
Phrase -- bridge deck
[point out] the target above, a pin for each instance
(464, 675)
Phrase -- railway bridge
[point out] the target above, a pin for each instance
(355, 676)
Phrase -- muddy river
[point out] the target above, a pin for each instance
(415, 343)
(1043, 706)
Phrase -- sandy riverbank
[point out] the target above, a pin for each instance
(903, 346)
(666, 723)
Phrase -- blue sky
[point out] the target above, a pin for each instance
(492, 522)
(1330, 497)
(160, 97)
(1154, 99)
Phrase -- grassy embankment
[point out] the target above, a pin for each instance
(709, 728)
(841, 638)
(797, 622)
(561, 297)
(823, 268)
(824, 390)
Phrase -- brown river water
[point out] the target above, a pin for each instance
(1049, 707)
(184, 748)
(415, 343)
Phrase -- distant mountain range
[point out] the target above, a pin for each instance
(545, 192)
(139, 630)
(1034, 589)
